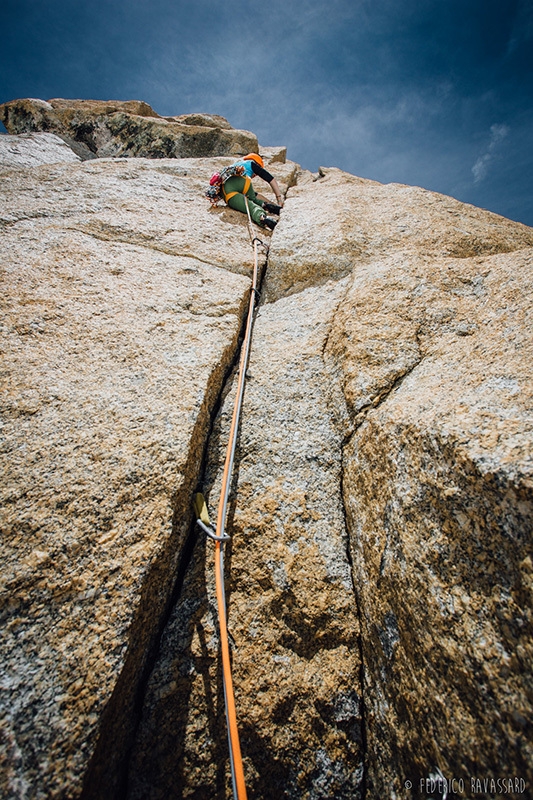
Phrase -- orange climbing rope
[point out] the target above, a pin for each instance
(239, 788)
(219, 535)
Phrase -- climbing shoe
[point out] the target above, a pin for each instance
(272, 208)
(268, 222)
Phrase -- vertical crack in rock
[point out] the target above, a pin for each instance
(362, 676)
(345, 425)
(290, 597)
(357, 597)
(433, 359)
(107, 772)
(194, 545)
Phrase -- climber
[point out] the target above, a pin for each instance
(236, 186)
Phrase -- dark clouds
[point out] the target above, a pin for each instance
(436, 93)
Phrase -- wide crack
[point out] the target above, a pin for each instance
(108, 769)
(186, 555)
(364, 746)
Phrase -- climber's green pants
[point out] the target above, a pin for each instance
(238, 202)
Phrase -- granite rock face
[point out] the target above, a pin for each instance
(122, 301)
(130, 129)
(338, 221)
(379, 573)
(389, 375)
(34, 149)
(439, 496)
(431, 347)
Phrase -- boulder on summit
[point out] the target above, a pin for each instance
(130, 129)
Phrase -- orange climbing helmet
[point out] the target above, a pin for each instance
(254, 157)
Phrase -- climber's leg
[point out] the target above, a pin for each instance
(238, 202)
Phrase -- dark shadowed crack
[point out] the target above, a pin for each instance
(362, 702)
(106, 776)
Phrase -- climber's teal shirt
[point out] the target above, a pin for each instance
(248, 170)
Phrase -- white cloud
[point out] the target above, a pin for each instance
(481, 167)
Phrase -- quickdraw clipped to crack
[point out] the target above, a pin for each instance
(202, 519)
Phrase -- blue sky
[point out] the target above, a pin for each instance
(434, 93)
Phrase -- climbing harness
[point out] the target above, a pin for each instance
(244, 191)
(220, 536)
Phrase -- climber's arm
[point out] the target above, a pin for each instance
(277, 192)
(266, 176)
